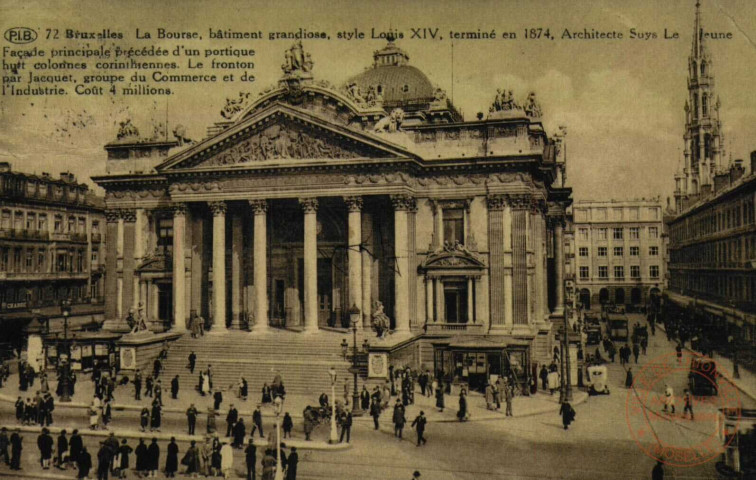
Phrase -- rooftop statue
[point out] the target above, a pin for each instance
(234, 105)
(532, 107)
(127, 129)
(391, 123)
(296, 60)
(504, 101)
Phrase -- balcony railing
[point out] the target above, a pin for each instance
(454, 327)
(79, 237)
(24, 234)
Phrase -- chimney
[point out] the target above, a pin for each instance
(721, 181)
(736, 170)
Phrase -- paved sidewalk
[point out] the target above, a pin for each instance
(747, 381)
(294, 404)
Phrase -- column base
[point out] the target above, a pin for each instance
(260, 327)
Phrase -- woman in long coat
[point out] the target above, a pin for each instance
(155, 417)
(153, 457)
(210, 420)
(440, 396)
(171, 459)
(462, 413)
(629, 378)
(191, 459)
(567, 413)
(141, 456)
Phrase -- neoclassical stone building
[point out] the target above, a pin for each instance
(311, 199)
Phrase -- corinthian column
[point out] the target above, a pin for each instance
(219, 266)
(559, 263)
(111, 265)
(401, 204)
(354, 256)
(260, 265)
(179, 267)
(310, 209)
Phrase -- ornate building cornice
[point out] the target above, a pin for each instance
(497, 202)
(112, 216)
(403, 202)
(128, 215)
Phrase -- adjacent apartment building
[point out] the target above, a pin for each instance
(51, 242)
(619, 251)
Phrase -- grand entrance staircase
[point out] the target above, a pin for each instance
(302, 360)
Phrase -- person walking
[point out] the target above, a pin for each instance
(153, 458)
(227, 460)
(346, 426)
(257, 421)
(375, 412)
(364, 399)
(678, 353)
(629, 378)
(544, 376)
(103, 462)
(669, 399)
(231, 418)
(175, 387)
(239, 431)
(398, 418)
(657, 473)
(155, 416)
(45, 445)
(62, 450)
(192, 361)
(144, 418)
(287, 425)
(191, 418)
(75, 447)
(171, 459)
(462, 412)
(419, 424)
(567, 413)
(440, 396)
(217, 399)
(688, 399)
(16, 447)
(508, 393)
(4, 444)
(83, 464)
(250, 458)
(211, 420)
(142, 465)
(636, 352)
(124, 450)
(291, 464)
(138, 385)
(149, 386)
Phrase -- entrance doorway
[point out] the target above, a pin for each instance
(604, 296)
(635, 296)
(165, 303)
(585, 298)
(619, 296)
(324, 293)
(455, 302)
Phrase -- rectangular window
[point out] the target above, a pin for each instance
(634, 251)
(31, 221)
(634, 271)
(653, 271)
(601, 251)
(454, 226)
(95, 226)
(6, 220)
(41, 260)
(71, 224)
(43, 222)
(95, 258)
(583, 232)
(653, 232)
(18, 220)
(653, 251)
(634, 233)
(30, 260)
(602, 233)
(618, 251)
(82, 225)
(617, 232)
(58, 224)
(583, 251)
(584, 273)
(617, 213)
(165, 236)
(603, 271)
(619, 271)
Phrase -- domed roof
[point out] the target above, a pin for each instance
(393, 79)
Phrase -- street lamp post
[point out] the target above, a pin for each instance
(354, 317)
(277, 407)
(334, 435)
(65, 375)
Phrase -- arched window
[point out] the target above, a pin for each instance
(705, 104)
(379, 89)
(695, 106)
(703, 69)
(694, 70)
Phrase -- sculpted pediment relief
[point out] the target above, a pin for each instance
(459, 258)
(283, 140)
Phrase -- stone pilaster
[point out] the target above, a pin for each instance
(496, 205)
(111, 265)
(402, 204)
(237, 250)
(129, 264)
(310, 210)
(179, 267)
(219, 266)
(520, 205)
(558, 227)
(367, 274)
(260, 265)
(354, 250)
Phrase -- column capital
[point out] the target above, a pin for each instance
(259, 206)
(112, 216)
(519, 201)
(309, 204)
(218, 208)
(353, 203)
(538, 207)
(497, 202)
(128, 215)
(403, 202)
(554, 221)
(179, 209)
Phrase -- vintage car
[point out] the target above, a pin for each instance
(703, 376)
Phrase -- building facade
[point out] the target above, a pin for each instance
(712, 234)
(313, 199)
(619, 251)
(51, 241)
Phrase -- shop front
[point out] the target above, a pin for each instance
(475, 362)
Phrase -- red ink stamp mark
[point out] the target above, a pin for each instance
(657, 416)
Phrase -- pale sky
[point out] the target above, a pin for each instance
(621, 100)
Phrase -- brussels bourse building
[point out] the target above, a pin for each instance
(311, 199)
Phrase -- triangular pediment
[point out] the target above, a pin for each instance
(281, 135)
(452, 258)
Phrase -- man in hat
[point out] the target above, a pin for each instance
(257, 420)
(291, 464)
(191, 418)
(419, 424)
(231, 418)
